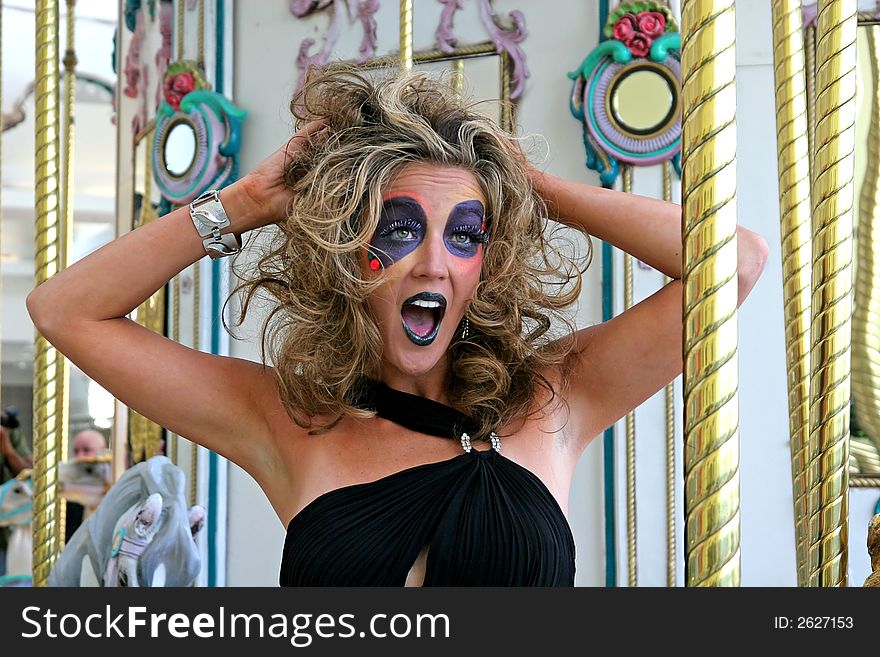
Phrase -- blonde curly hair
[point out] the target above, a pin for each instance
(321, 335)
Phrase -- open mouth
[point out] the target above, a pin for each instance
(422, 315)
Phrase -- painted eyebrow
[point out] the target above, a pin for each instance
(403, 203)
(402, 197)
(457, 209)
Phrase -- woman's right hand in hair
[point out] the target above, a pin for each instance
(265, 194)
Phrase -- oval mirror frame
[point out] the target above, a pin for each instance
(179, 148)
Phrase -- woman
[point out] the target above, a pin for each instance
(417, 331)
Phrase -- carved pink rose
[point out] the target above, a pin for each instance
(625, 26)
(638, 44)
(173, 99)
(183, 83)
(651, 23)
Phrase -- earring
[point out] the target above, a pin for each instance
(466, 329)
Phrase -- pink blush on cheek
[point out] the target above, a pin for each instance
(469, 266)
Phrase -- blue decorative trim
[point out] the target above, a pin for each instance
(118, 539)
(597, 158)
(611, 48)
(663, 44)
(21, 509)
(220, 41)
(603, 17)
(600, 161)
(17, 511)
(213, 464)
(608, 438)
(164, 206)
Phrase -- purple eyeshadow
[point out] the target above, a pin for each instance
(400, 231)
(402, 226)
(464, 229)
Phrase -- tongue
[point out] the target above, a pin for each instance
(419, 320)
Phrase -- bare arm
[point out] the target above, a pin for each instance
(627, 359)
(16, 461)
(644, 227)
(82, 312)
(216, 401)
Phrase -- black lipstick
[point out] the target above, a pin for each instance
(433, 301)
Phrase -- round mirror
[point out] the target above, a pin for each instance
(180, 149)
(642, 101)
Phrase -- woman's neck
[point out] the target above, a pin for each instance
(430, 384)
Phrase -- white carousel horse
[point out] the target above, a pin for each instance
(141, 534)
(16, 504)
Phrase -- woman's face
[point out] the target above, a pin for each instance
(428, 249)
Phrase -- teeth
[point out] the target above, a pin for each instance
(425, 304)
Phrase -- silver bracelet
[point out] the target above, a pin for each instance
(209, 217)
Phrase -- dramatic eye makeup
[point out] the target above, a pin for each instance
(465, 229)
(403, 224)
(400, 231)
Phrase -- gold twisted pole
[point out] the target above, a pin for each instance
(406, 35)
(145, 435)
(669, 394)
(830, 330)
(181, 9)
(793, 155)
(866, 314)
(457, 77)
(47, 255)
(632, 556)
(709, 281)
(200, 39)
(66, 240)
(507, 117)
(810, 56)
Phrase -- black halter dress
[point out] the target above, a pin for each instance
(485, 520)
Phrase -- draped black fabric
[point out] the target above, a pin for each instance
(485, 520)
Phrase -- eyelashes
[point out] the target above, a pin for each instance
(403, 226)
(477, 235)
(407, 224)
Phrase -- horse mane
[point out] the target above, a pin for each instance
(173, 545)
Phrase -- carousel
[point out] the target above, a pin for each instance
(118, 115)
